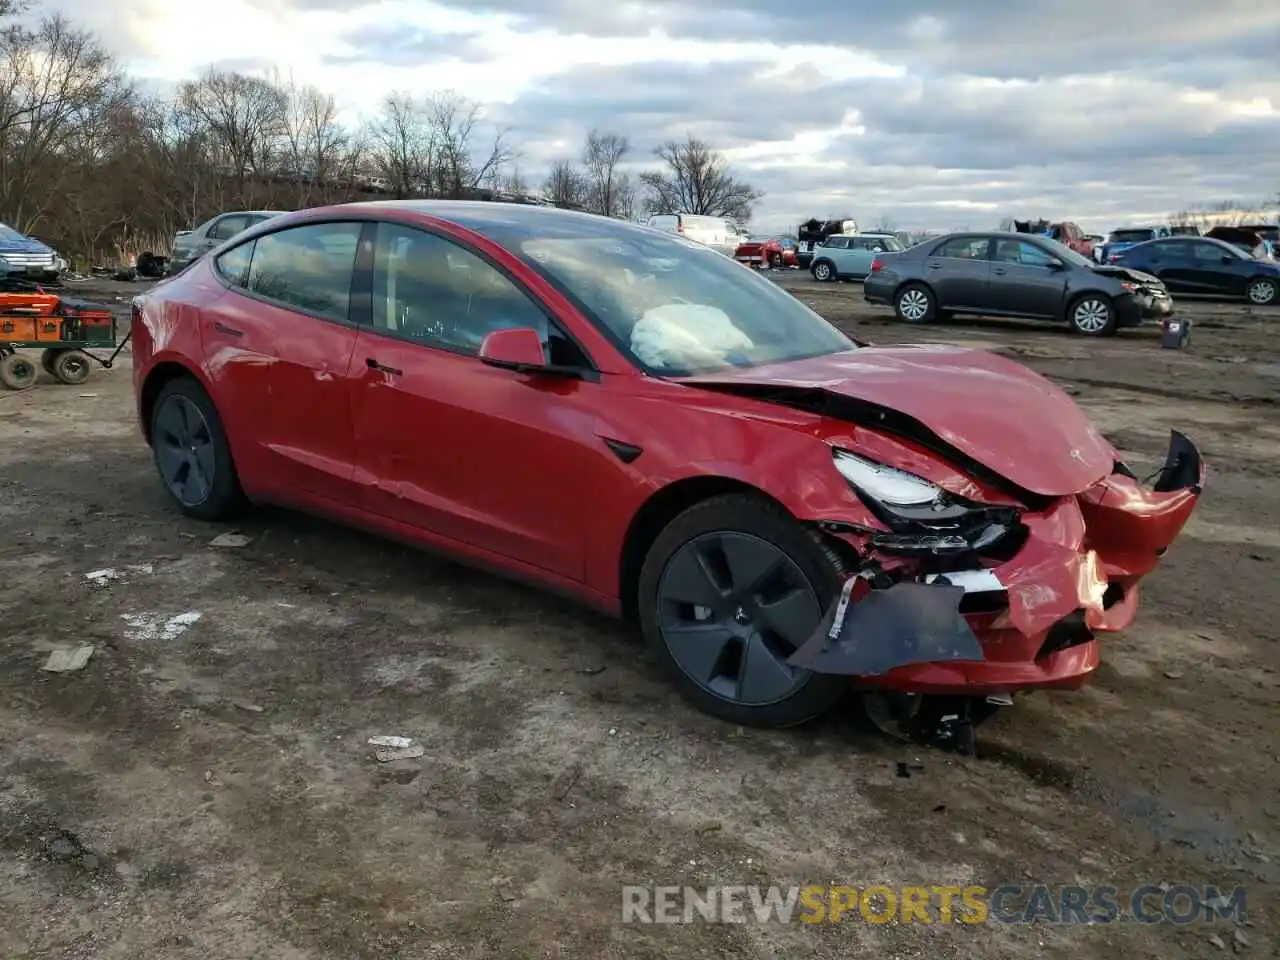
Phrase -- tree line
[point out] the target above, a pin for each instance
(94, 166)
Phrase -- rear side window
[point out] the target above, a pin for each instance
(963, 248)
(1169, 251)
(1207, 252)
(309, 268)
(234, 264)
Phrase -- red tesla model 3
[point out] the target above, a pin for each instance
(631, 418)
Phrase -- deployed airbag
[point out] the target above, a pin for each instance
(687, 336)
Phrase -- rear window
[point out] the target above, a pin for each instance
(1132, 236)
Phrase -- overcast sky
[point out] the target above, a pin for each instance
(928, 113)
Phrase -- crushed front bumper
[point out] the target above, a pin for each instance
(1037, 615)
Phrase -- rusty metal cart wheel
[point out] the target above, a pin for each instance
(71, 367)
(17, 372)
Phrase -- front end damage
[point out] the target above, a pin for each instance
(968, 602)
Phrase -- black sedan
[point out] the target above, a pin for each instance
(1207, 266)
(1013, 275)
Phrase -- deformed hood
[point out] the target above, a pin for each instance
(999, 413)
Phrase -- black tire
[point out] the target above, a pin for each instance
(775, 261)
(221, 497)
(71, 367)
(17, 372)
(824, 271)
(1092, 314)
(915, 303)
(47, 356)
(1262, 292)
(749, 518)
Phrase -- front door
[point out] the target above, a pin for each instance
(486, 457)
(280, 343)
(1023, 281)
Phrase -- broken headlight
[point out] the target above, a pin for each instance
(923, 518)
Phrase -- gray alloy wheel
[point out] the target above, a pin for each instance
(184, 450)
(733, 608)
(915, 304)
(823, 271)
(1092, 315)
(1261, 292)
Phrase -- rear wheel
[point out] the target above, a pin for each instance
(17, 372)
(729, 591)
(192, 454)
(1261, 292)
(1093, 315)
(823, 271)
(915, 304)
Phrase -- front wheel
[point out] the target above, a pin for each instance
(1093, 315)
(192, 454)
(17, 372)
(823, 271)
(915, 304)
(1261, 292)
(728, 592)
(71, 367)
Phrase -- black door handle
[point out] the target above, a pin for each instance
(373, 364)
(934, 266)
(1000, 271)
(229, 331)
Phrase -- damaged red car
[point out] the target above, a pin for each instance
(630, 418)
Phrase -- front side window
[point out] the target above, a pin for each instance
(1208, 252)
(433, 291)
(675, 307)
(228, 227)
(963, 248)
(308, 268)
(1021, 252)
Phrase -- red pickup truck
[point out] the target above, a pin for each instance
(1070, 235)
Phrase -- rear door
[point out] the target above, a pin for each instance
(279, 346)
(1215, 270)
(959, 270)
(1171, 261)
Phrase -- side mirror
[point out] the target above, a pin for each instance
(1226, 259)
(1055, 264)
(515, 348)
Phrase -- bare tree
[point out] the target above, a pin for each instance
(455, 124)
(600, 158)
(244, 117)
(696, 179)
(57, 86)
(885, 224)
(403, 143)
(565, 186)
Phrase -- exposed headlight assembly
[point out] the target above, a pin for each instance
(886, 485)
(924, 518)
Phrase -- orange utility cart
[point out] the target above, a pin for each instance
(65, 330)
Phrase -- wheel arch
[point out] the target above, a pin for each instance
(164, 372)
(663, 506)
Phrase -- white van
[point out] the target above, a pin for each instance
(718, 233)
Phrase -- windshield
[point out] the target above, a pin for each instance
(676, 307)
(1067, 255)
(1131, 236)
(10, 235)
(890, 244)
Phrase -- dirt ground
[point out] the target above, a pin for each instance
(203, 787)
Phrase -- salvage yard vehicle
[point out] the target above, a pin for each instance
(191, 245)
(627, 417)
(1013, 275)
(1204, 265)
(850, 257)
(26, 258)
(767, 252)
(718, 233)
(1127, 237)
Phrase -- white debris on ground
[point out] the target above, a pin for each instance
(390, 741)
(157, 626)
(69, 660)
(396, 748)
(230, 540)
(100, 578)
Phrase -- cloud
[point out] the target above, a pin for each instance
(931, 114)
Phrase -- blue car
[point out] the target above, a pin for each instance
(25, 258)
(1206, 266)
(1121, 240)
